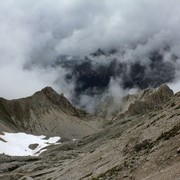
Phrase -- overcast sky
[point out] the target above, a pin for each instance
(37, 31)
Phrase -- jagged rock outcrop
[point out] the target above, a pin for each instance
(46, 112)
(139, 103)
(149, 99)
(144, 101)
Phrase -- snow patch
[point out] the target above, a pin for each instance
(17, 144)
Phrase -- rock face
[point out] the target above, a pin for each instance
(144, 146)
(145, 101)
(139, 103)
(150, 99)
(48, 113)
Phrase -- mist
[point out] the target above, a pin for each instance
(55, 43)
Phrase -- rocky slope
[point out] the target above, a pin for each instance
(133, 104)
(144, 145)
(145, 100)
(48, 113)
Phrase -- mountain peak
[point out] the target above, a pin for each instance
(50, 93)
(164, 89)
(149, 99)
(45, 112)
(59, 100)
(98, 52)
(48, 89)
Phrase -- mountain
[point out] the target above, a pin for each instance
(142, 141)
(145, 100)
(92, 74)
(48, 113)
(134, 104)
(98, 52)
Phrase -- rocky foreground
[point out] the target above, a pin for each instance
(141, 142)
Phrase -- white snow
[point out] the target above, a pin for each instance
(17, 144)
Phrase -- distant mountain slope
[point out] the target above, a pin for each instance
(141, 102)
(146, 100)
(48, 113)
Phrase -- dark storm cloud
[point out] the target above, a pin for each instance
(34, 33)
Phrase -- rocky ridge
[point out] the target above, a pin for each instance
(145, 100)
(132, 104)
(48, 113)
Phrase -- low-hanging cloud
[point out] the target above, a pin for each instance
(140, 40)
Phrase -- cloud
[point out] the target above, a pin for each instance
(17, 83)
(34, 33)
